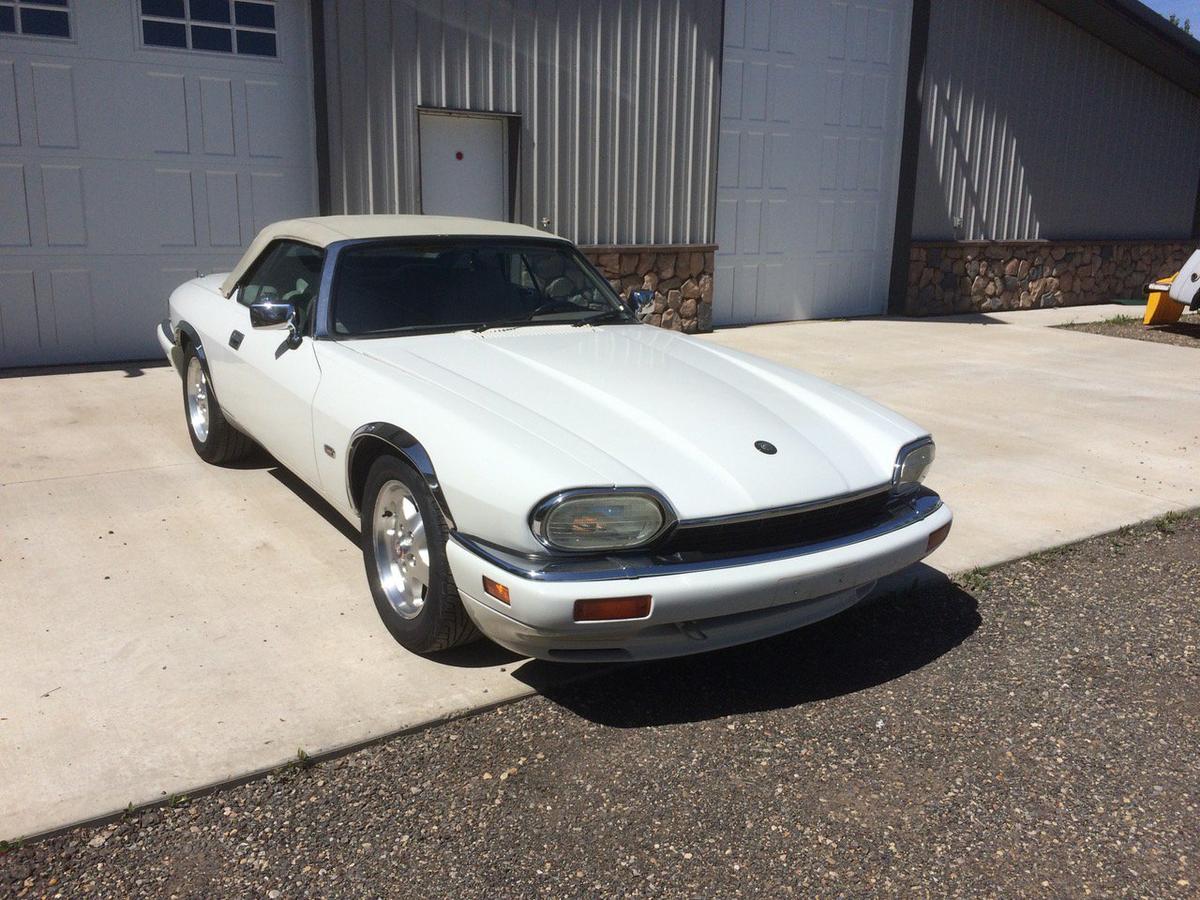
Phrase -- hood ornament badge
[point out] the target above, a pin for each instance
(766, 447)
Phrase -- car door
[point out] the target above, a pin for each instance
(271, 379)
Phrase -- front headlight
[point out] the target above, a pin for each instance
(912, 464)
(590, 520)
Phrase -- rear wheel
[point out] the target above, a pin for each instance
(404, 550)
(213, 438)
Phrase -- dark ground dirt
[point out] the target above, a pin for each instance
(1184, 333)
(1031, 730)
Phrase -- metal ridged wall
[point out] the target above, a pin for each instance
(618, 104)
(1034, 129)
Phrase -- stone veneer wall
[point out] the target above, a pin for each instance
(969, 276)
(681, 276)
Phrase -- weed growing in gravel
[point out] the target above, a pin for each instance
(1120, 320)
(1051, 554)
(177, 800)
(1122, 536)
(974, 580)
(11, 846)
(1166, 523)
(301, 763)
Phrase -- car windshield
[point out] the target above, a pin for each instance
(385, 287)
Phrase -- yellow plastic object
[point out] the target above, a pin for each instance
(1160, 308)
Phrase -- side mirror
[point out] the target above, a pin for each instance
(276, 315)
(272, 314)
(640, 299)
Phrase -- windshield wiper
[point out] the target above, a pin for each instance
(605, 316)
(609, 315)
(511, 323)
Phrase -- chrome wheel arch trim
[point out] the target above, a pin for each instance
(408, 448)
(184, 328)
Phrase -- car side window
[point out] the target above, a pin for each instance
(289, 272)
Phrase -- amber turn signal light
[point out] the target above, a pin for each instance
(497, 590)
(606, 609)
(935, 539)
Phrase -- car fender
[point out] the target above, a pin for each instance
(184, 329)
(408, 447)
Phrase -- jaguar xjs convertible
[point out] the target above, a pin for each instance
(526, 459)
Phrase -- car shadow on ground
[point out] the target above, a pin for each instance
(921, 616)
(260, 459)
(318, 503)
(868, 645)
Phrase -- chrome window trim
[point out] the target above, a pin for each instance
(537, 515)
(907, 510)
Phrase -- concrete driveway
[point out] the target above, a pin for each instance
(169, 625)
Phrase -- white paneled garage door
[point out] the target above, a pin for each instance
(136, 152)
(812, 101)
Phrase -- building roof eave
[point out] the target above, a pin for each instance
(1140, 33)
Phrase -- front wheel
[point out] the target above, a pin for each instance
(213, 438)
(403, 539)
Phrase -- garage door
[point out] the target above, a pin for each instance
(141, 143)
(812, 101)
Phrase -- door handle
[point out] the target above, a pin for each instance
(235, 339)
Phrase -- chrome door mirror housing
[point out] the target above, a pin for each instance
(272, 314)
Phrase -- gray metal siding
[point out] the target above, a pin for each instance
(618, 106)
(1034, 129)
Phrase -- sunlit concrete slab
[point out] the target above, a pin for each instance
(169, 625)
(1045, 436)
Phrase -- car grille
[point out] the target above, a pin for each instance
(776, 532)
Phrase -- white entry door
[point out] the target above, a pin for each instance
(812, 102)
(464, 165)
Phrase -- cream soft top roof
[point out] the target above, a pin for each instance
(321, 231)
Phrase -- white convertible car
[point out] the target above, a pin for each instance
(525, 459)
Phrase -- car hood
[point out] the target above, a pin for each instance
(641, 406)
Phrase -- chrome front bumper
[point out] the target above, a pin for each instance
(697, 605)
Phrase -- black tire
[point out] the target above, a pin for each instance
(221, 443)
(442, 622)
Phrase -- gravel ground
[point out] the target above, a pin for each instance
(1032, 730)
(1184, 333)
